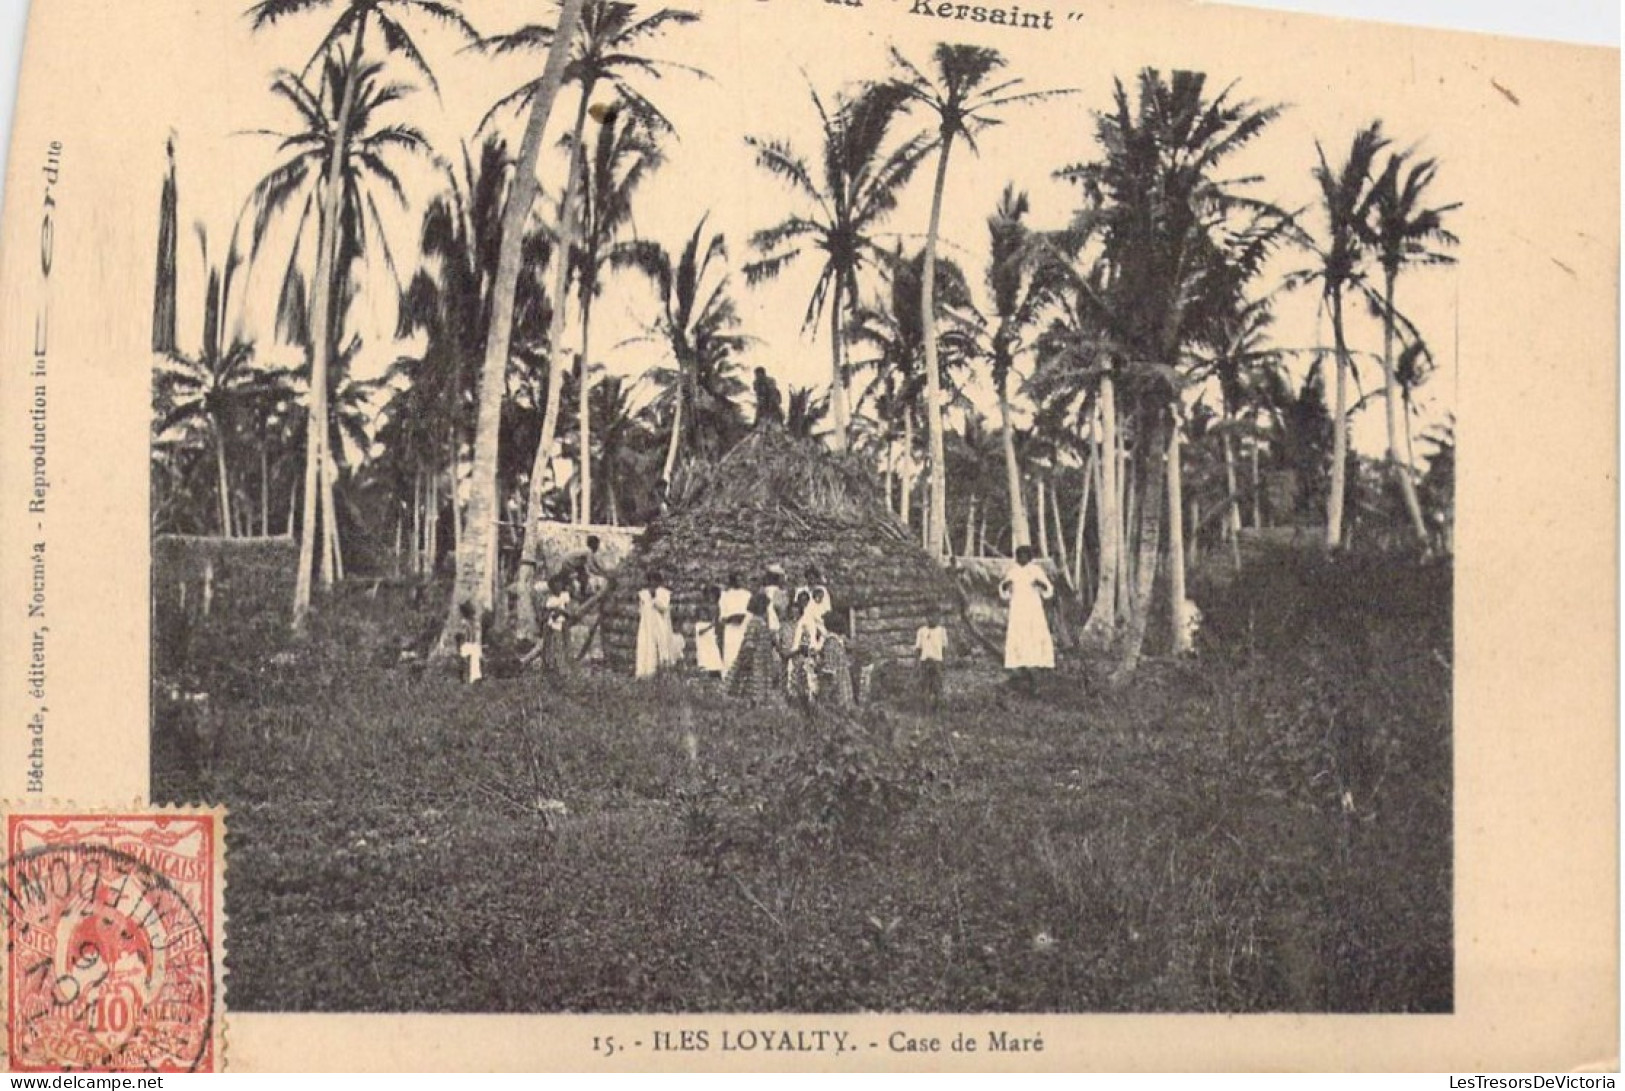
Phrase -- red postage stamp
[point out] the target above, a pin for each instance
(113, 941)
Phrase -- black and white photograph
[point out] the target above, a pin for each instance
(844, 507)
(964, 534)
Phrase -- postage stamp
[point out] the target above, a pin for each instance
(113, 941)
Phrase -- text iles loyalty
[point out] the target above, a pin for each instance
(836, 1041)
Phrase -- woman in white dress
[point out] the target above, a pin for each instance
(733, 606)
(707, 642)
(1027, 643)
(655, 641)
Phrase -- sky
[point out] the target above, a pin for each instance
(762, 56)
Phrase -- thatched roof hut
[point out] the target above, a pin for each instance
(775, 499)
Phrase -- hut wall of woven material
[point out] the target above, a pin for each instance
(774, 499)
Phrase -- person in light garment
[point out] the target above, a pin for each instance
(707, 642)
(470, 648)
(817, 594)
(733, 606)
(1027, 643)
(655, 638)
(778, 599)
(931, 641)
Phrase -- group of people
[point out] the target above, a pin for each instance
(768, 640)
(759, 641)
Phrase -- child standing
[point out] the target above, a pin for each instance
(931, 642)
(556, 626)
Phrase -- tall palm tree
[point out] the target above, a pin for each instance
(601, 39)
(1404, 234)
(623, 154)
(1347, 194)
(700, 323)
(852, 191)
(448, 301)
(476, 552)
(893, 329)
(352, 21)
(210, 390)
(963, 102)
(1021, 284)
(312, 157)
(620, 434)
(1181, 242)
(1235, 351)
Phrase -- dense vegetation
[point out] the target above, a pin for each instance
(1265, 827)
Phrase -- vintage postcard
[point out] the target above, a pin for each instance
(807, 534)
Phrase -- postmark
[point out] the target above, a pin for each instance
(113, 941)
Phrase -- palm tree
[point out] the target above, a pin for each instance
(893, 329)
(1180, 244)
(623, 155)
(1235, 352)
(448, 301)
(210, 390)
(1404, 234)
(804, 412)
(1020, 286)
(1347, 196)
(700, 323)
(854, 189)
(476, 551)
(620, 436)
(310, 165)
(964, 104)
(600, 37)
(352, 21)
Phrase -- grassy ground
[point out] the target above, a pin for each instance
(1267, 828)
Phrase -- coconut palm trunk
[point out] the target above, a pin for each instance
(584, 424)
(1176, 543)
(525, 615)
(321, 335)
(1020, 535)
(906, 478)
(1148, 487)
(474, 548)
(1091, 472)
(837, 374)
(1399, 467)
(224, 478)
(676, 439)
(265, 492)
(1126, 559)
(1340, 430)
(1043, 525)
(1062, 561)
(1108, 521)
(1258, 503)
(935, 539)
(1232, 517)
